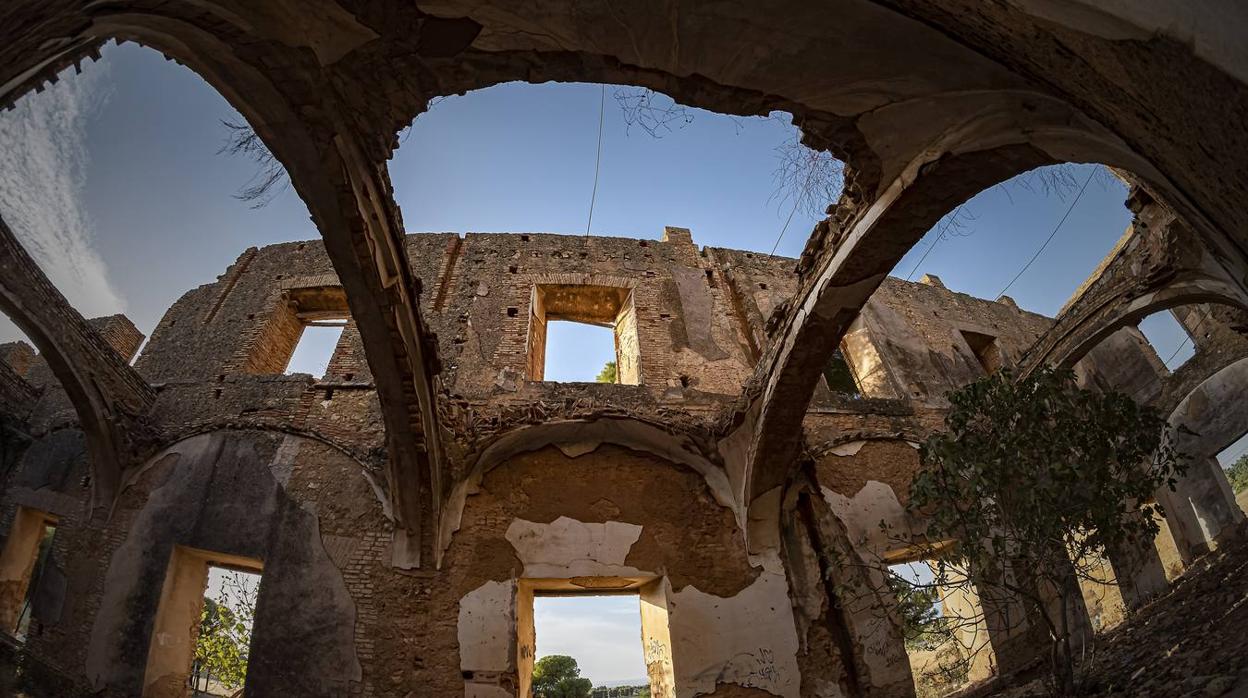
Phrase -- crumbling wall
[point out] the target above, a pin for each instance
(604, 517)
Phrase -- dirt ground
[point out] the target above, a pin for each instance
(1188, 643)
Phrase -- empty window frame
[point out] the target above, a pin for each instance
(602, 634)
(840, 375)
(985, 349)
(1170, 338)
(605, 306)
(301, 334)
(653, 642)
(578, 352)
(22, 564)
(944, 627)
(316, 346)
(172, 662)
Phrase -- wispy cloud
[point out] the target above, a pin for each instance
(43, 165)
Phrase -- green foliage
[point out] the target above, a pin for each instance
(922, 625)
(1046, 476)
(839, 376)
(225, 632)
(1238, 474)
(558, 676)
(607, 374)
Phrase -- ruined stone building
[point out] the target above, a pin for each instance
(405, 508)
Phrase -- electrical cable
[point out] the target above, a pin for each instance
(939, 236)
(1056, 228)
(1187, 339)
(602, 104)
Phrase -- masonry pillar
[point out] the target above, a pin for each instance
(1201, 510)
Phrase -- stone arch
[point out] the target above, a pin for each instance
(339, 172)
(576, 437)
(594, 514)
(230, 493)
(1202, 509)
(1096, 330)
(108, 397)
(862, 241)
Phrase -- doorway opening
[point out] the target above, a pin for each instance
(587, 645)
(24, 561)
(593, 638)
(943, 627)
(224, 638)
(201, 638)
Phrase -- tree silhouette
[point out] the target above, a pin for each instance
(558, 676)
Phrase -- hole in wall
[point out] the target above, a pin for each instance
(26, 555)
(942, 628)
(316, 347)
(1171, 338)
(601, 634)
(578, 352)
(201, 635)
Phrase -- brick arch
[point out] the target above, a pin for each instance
(581, 436)
(1127, 312)
(861, 244)
(109, 398)
(339, 173)
(327, 84)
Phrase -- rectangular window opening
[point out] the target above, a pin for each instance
(591, 640)
(201, 637)
(985, 349)
(583, 334)
(840, 375)
(25, 558)
(1169, 338)
(223, 639)
(942, 627)
(577, 352)
(316, 347)
(299, 334)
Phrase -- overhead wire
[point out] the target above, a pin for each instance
(1187, 339)
(1056, 228)
(939, 236)
(786, 226)
(593, 196)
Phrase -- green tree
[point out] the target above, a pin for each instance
(922, 625)
(1238, 474)
(607, 374)
(1035, 479)
(221, 648)
(558, 676)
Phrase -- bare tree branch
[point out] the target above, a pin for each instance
(270, 179)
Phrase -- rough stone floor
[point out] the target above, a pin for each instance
(1186, 644)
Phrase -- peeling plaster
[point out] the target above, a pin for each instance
(487, 631)
(569, 548)
(749, 639)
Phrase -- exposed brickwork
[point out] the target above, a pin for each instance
(217, 360)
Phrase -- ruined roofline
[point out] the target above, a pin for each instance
(942, 290)
(716, 251)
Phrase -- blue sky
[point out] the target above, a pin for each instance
(603, 634)
(113, 180)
